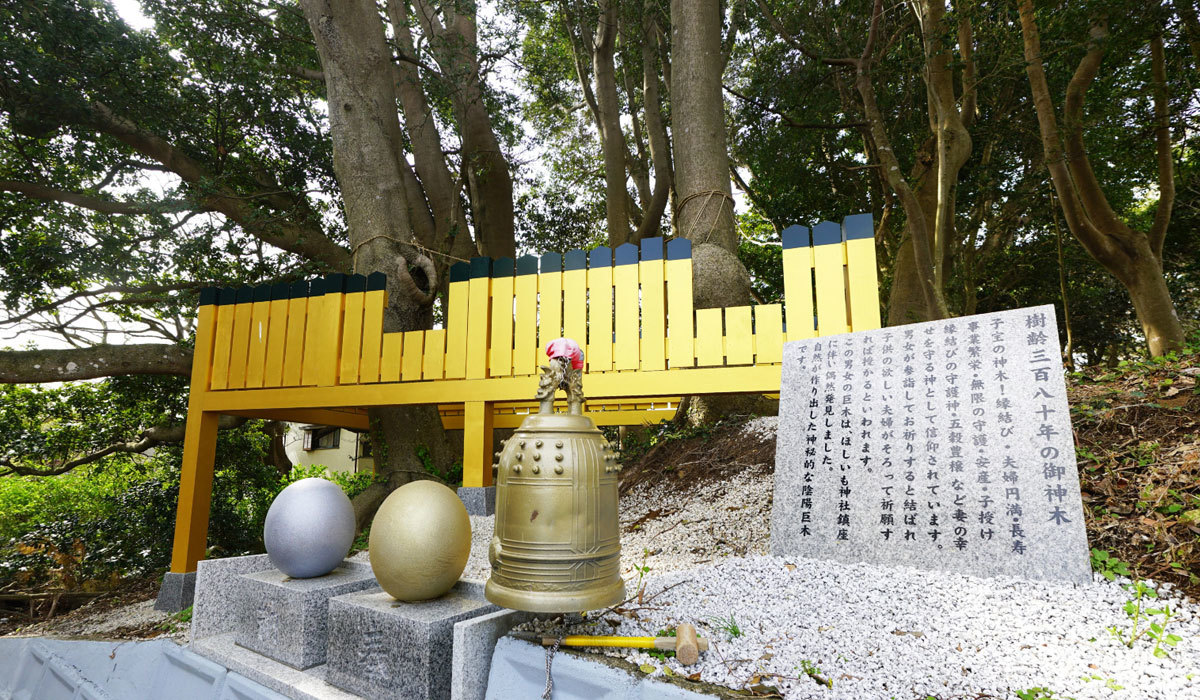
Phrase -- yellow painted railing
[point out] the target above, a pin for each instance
(316, 351)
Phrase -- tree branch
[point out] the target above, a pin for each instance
(306, 241)
(151, 437)
(98, 204)
(789, 120)
(37, 366)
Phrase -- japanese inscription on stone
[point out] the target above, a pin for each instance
(941, 445)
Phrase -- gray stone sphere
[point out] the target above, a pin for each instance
(309, 528)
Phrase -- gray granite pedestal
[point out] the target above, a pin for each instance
(479, 500)
(382, 648)
(288, 619)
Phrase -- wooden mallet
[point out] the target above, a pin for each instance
(686, 645)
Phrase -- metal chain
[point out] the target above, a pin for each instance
(550, 658)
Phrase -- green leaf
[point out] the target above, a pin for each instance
(646, 668)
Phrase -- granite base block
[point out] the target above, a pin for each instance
(177, 591)
(216, 610)
(288, 617)
(281, 678)
(474, 643)
(479, 500)
(383, 648)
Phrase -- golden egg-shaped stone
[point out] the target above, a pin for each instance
(420, 541)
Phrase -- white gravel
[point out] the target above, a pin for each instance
(904, 633)
(874, 632)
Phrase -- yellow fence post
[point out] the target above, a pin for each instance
(681, 327)
(260, 316)
(478, 310)
(549, 302)
(293, 354)
(598, 352)
(575, 297)
(352, 326)
(276, 336)
(861, 274)
(654, 308)
(457, 302)
(798, 283)
(500, 362)
(372, 334)
(525, 288)
(829, 259)
(626, 349)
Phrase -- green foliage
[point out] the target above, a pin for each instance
(102, 522)
(1040, 693)
(637, 443)
(1145, 620)
(1107, 565)
(727, 625)
(451, 476)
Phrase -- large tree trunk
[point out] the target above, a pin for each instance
(367, 139)
(608, 117)
(1133, 257)
(705, 205)
(450, 29)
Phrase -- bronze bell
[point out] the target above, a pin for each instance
(557, 545)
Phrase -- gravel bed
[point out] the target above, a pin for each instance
(900, 632)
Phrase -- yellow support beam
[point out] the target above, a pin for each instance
(477, 444)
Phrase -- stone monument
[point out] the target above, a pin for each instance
(941, 445)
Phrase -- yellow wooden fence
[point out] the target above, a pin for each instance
(316, 351)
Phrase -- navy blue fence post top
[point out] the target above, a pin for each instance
(460, 272)
(652, 248)
(282, 290)
(376, 281)
(626, 254)
(481, 267)
(527, 265)
(679, 249)
(356, 283)
(575, 259)
(826, 233)
(600, 257)
(551, 262)
(795, 236)
(858, 226)
(502, 267)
